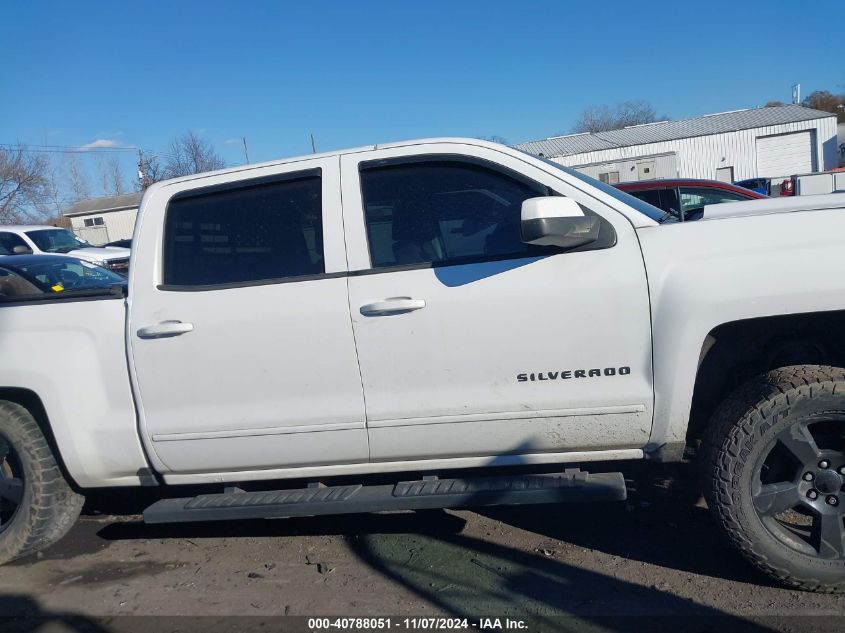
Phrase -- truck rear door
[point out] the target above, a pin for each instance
(241, 345)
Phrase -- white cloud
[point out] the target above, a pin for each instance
(99, 143)
(232, 141)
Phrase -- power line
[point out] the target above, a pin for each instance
(68, 146)
(64, 149)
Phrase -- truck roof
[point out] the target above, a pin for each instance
(352, 150)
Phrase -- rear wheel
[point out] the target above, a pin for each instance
(774, 474)
(37, 506)
(11, 484)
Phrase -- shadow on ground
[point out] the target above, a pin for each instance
(23, 614)
(664, 523)
(466, 576)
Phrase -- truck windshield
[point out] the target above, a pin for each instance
(638, 205)
(56, 240)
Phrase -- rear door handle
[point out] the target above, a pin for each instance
(165, 329)
(393, 305)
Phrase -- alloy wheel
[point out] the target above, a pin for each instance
(799, 487)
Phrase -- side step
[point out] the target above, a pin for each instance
(572, 485)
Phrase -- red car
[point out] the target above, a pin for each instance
(684, 198)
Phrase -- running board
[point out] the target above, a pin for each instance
(572, 485)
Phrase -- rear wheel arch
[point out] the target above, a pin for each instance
(37, 506)
(32, 402)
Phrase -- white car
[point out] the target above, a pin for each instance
(36, 239)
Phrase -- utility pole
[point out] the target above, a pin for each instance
(796, 93)
(313, 146)
(142, 170)
(246, 151)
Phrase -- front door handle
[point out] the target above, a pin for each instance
(165, 329)
(393, 305)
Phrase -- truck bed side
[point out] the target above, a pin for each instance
(71, 354)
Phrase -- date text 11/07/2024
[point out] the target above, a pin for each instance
(433, 624)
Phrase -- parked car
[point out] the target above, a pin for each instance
(685, 199)
(16, 240)
(386, 322)
(764, 186)
(121, 243)
(32, 275)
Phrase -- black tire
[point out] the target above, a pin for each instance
(37, 506)
(777, 441)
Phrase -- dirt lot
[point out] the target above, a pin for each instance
(657, 554)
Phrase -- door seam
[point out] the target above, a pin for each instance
(340, 174)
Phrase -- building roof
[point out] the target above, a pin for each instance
(671, 130)
(106, 205)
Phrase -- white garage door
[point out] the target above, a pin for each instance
(785, 154)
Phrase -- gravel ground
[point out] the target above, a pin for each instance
(657, 554)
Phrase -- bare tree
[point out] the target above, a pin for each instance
(595, 119)
(635, 113)
(54, 201)
(24, 184)
(604, 118)
(111, 177)
(77, 181)
(190, 154)
(493, 138)
(150, 170)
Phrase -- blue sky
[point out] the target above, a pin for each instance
(140, 73)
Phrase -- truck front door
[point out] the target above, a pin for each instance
(474, 344)
(241, 345)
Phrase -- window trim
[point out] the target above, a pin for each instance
(228, 187)
(246, 183)
(118, 291)
(480, 162)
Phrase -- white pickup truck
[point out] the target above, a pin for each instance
(37, 239)
(422, 309)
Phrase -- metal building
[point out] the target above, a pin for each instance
(763, 142)
(103, 220)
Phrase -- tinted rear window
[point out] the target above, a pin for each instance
(250, 234)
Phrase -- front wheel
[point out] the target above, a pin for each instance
(37, 506)
(774, 474)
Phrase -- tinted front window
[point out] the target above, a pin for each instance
(254, 233)
(664, 199)
(8, 241)
(56, 240)
(652, 196)
(444, 211)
